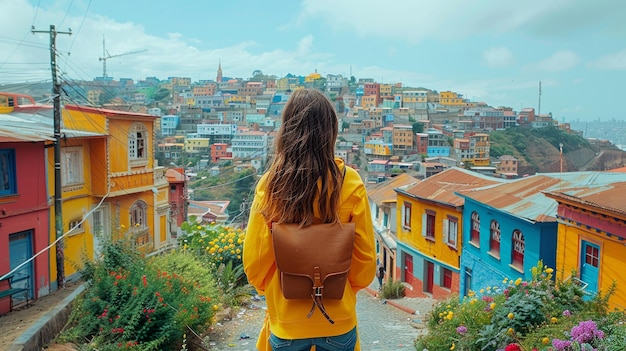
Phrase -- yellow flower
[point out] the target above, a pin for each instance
(518, 281)
(199, 227)
(492, 306)
(452, 347)
(549, 270)
(472, 301)
(545, 341)
(238, 257)
(505, 280)
(239, 241)
(482, 291)
(510, 315)
(216, 307)
(488, 288)
(554, 320)
(511, 331)
(450, 315)
(471, 293)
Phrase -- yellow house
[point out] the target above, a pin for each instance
(449, 98)
(197, 145)
(125, 192)
(592, 235)
(429, 226)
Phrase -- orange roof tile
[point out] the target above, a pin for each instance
(384, 192)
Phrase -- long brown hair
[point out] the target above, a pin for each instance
(303, 172)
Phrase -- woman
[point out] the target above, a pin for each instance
(303, 171)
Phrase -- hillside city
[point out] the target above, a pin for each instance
(137, 159)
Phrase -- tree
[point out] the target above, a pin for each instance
(161, 94)
(418, 127)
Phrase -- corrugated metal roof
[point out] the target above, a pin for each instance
(442, 187)
(525, 197)
(384, 192)
(608, 196)
(38, 126)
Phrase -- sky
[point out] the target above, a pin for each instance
(488, 50)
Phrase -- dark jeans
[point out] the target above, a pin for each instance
(344, 342)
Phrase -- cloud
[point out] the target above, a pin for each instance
(414, 21)
(559, 61)
(612, 62)
(497, 57)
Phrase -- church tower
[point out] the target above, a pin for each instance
(219, 73)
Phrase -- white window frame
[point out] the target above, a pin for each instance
(138, 144)
(138, 215)
(450, 231)
(72, 167)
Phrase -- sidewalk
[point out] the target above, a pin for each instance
(418, 306)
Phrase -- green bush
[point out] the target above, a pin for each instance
(132, 302)
(539, 314)
(392, 289)
(220, 247)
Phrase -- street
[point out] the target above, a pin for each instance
(382, 327)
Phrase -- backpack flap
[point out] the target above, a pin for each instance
(319, 252)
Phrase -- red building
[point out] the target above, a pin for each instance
(178, 198)
(218, 151)
(24, 210)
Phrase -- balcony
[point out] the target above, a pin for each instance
(159, 176)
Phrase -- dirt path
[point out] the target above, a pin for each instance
(13, 324)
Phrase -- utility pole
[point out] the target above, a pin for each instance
(58, 201)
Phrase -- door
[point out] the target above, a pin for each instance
(429, 277)
(20, 250)
(408, 269)
(468, 281)
(100, 229)
(589, 266)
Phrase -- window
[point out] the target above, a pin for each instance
(8, 173)
(592, 255)
(137, 142)
(446, 278)
(494, 239)
(475, 229)
(518, 249)
(428, 225)
(406, 215)
(71, 165)
(450, 230)
(138, 215)
(76, 226)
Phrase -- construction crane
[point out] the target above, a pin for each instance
(106, 56)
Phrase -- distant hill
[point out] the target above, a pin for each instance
(538, 151)
(39, 91)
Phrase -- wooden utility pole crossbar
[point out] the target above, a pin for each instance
(58, 201)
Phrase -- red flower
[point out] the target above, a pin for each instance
(512, 347)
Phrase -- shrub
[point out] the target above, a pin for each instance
(392, 289)
(220, 247)
(539, 314)
(132, 303)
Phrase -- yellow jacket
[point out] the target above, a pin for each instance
(287, 319)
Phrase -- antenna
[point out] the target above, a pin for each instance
(106, 56)
(539, 107)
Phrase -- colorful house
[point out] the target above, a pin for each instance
(24, 207)
(507, 229)
(429, 217)
(592, 235)
(382, 199)
(129, 189)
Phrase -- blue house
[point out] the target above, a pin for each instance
(507, 229)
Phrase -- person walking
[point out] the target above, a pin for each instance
(380, 274)
(304, 184)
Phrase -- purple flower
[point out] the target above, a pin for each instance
(567, 313)
(461, 330)
(561, 345)
(586, 332)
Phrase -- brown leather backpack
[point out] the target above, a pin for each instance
(313, 261)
